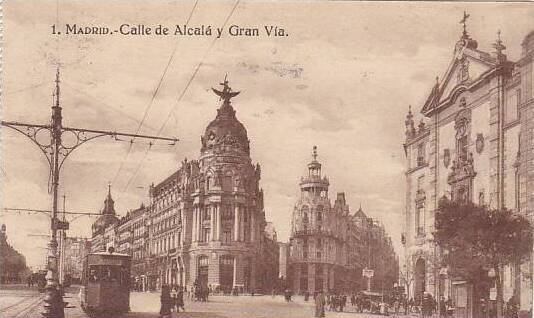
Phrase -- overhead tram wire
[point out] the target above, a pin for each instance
(195, 72)
(108, 106)
(15, 210)
(154, 94)
(198, 68)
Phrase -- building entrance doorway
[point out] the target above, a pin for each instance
(226, 272)
(420, 278)
(202, 276)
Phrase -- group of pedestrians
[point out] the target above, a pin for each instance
(172, 299)
(336, 302)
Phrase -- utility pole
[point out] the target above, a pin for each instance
(56, 152)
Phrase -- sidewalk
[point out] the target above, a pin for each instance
(71, 297)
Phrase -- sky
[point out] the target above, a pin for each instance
(342, 80)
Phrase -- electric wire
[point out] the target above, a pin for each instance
(154, 94)
(182, 94)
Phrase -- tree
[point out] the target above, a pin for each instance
(476, 239)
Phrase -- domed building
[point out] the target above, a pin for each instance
(207, 219)
(318, 242)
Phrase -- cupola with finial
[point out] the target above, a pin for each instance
(225, 132)
(314, 180)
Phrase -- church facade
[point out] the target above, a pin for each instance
(473, 143)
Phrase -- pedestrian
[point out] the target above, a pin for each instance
(174, 293)
(319, 305)
(179, 303)
(396, 305)
(166, 302)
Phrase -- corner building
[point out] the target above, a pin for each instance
(207, 219)
(319, 233)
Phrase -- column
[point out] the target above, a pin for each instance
(199, 224)
(194, 225)
(218, 217)
(252, 226)
(234, 283)
(213, 222)
(184, 227)
(236, 223)
(242, 223)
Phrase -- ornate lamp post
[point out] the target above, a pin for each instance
(56, 152)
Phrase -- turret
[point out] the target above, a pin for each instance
(314, 183)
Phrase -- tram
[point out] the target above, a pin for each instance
(106, 283)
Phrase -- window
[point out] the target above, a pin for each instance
(226, 236)
(227, 183)
(226, 260)
(305, 249)
(208, 183)
(206, 215)
(513, 98)
(420, 154)
(206, 234)
(319, 213)
(203, 261)
(419, 220)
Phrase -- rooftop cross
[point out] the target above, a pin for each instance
(499, 46)
(464, 22)
(314, 154)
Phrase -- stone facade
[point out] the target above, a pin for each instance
(73, 252)
(12, 264)
(474, 144)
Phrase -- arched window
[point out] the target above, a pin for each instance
(228, 184)
(208, 182)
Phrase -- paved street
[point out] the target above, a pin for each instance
(21, 302)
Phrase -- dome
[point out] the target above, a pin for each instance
(107, 216)
(225, 129)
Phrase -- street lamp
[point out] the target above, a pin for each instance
(56, 152)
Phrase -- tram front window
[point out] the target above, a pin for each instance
(104, 273)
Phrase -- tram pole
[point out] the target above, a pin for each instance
(56, 153)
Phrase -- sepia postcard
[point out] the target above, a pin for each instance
(266, 159)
